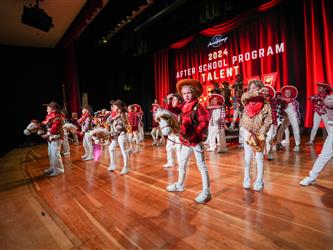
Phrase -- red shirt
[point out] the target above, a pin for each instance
(133, 120)
(54, 122)
(193, 130)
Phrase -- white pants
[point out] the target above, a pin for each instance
(55, 160)
(270, 135)
(87, 144)
(316, 122)
(235, 116)
(248, 156)
(171, 145)
(325, 155)
(141, 132)
(112, 149)
(295, 126)
(66, 144)
(185, 153)
(241, 135)
(213, 133)
(136, 138)
(154, 133)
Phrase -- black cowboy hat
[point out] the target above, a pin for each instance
(53, 105)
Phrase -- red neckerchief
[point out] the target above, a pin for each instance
(49, 117)
(188, 106)
(254, 108)
(322, 94)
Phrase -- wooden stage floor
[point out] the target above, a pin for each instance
(89, 207)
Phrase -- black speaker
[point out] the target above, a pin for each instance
(36, 17)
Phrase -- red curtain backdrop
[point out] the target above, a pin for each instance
(318, 22)
(71, 80)
(303, 28)
(161, 69)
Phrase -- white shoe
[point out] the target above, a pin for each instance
(246, 183)
(210, 149)
(285, 141)
(56, 172)
(307, 181)
(168, 165)
(89, 158)
(297, 148)
(66, 153)
(84, 156)
(175, 188)
(48, 171)
(112, 168)
(124, 171)
(203, 197)
(258, 185)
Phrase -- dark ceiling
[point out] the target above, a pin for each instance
(159, 24)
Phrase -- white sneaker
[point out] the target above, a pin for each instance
(175, 188)
(297, 148)
(89, 158)
(56, 172)
(246, 183)
(203, 197)
(168, 165)
(124, 171)
(258, 185)
(112, 168)
(48, 171)
(307, 181)
(285, 141)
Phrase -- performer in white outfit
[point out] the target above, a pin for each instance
(54, 135)
(118, 132)
(327, 151)
(292, 116)
(324, 89)
(256, 121)
(217, 126)
(86, 125)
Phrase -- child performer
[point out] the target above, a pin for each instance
(133, 121)
(192, 134)
(155, 130)
(54, 135)
(256, 121)
(292, 116)
(324, 89)
(86, 125)
(139, 112)
(217, 124)
(327, 151)
(118, 129)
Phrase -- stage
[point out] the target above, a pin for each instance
(89, 207)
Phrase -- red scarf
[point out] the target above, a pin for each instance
(188, 106)
(253, 108)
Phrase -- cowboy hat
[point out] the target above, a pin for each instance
(53, 105)
(194, 83)
(293, 89)
(220, 98)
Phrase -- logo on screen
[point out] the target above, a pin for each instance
(217, 41)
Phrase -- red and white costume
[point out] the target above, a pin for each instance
(86, 125)
(133, 121)
(320, 112)
(193, 128)
(216, 128)
(53, 123)
(327, 151)
(155, 126)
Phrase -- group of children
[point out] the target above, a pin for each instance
(261, 110)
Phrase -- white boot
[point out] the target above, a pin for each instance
(175, 188)
(307, 181)
(203, 197)
(124, 171)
